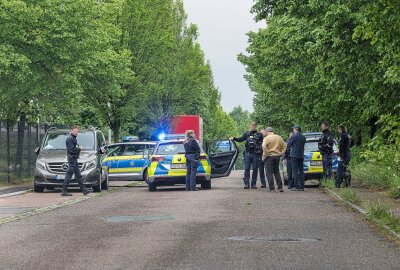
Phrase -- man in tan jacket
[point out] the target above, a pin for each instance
(273, 149)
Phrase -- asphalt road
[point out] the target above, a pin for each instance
(223, 228)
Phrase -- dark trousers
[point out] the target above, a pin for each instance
(272, 167)
(342, 166)
(289, 172)
(298, 172)
(250, 161)
(73, 168)
(192, 163)
(327, 165)
(261, 170)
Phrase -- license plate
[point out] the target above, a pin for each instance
(178, 166)
(316, 163)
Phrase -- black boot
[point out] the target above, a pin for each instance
(65, 193)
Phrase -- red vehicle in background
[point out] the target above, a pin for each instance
(181, 123)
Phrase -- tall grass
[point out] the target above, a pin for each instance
(380, 211)
(349, 195)
(377, 167)
(378, 176)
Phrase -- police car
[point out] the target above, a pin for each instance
(313, 168)
(128, 160)
(168, 163)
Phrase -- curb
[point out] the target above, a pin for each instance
(363, 212)
(46, 209)
(15, 193)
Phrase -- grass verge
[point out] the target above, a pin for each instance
(378, 176)
(380, 212)
(349, 195)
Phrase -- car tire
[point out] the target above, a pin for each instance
(152, 187)
(145, 175)
(206, 184)
(38, 189)
(105, 183)
(97, 188)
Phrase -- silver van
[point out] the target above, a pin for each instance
(52, 165)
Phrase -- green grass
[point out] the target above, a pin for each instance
(349, 195)
(378, 176)
(328, 183)
(380, 212)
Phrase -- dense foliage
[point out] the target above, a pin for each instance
(331, 60)
(124, 64)
(325, 60)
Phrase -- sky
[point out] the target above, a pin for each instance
(223, 25)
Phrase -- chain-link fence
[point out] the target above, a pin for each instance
(17, 150)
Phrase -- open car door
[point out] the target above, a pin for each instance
(222, 155)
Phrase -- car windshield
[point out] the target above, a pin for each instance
(170, 149)
(56, 141)
(134, 149)
(312, 146)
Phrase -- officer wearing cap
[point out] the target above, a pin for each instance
(253, 154)
(296, 145)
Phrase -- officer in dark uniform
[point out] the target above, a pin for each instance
(253, 154)
(344, 154)
(261, 163)
(288, 161)
(192, 154)
(325, 146)
(73, 151)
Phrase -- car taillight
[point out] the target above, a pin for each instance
(157, 159)
(203, 157)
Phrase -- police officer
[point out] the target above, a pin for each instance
(261, 163)
(73, 151)
(192, 154)
(344, 154)
(252, 154)
(296, 145)
(325, 146)
(288, 162)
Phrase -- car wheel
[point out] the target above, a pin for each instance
(145, 176)
(206, 184)
(97, 188)
(38, 189)
(105, 183)
(152, 187)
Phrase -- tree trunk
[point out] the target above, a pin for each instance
(20, 144)
(374, 127)
(115, 127)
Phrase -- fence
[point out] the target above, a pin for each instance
(17, 150)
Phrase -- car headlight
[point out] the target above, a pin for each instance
(90, 165)
(41, 165)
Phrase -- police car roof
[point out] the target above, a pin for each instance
(311, 136)
(171, 141)
(135, 142)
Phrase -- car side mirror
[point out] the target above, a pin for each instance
(102, 150)
(37, 150)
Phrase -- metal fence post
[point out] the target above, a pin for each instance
(8, 152)
(29, 150)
